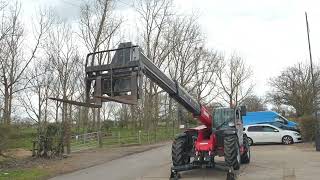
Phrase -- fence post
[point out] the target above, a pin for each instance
(139, 136)
(148, 137)
(119, 138)
(99, 139)
(34, 148)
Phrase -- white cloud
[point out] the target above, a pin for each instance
(269, 35)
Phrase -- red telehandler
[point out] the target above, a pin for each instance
(117, 75)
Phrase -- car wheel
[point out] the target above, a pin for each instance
(287, 140)
(245, 157)
(250, 141)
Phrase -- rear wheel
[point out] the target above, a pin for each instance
(180, 152)
(232, 151)
(245, 157)
(287, 140)
(250, 141)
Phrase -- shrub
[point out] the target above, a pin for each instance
(5, 131)
(308, 127)
(106, 125)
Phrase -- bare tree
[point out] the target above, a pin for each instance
(185, 37)
(64, 56)
(13, 61)
(98, 24)
(205, 81)
(154, 18)
(254, 103)
(98, 28)
(294, 88)
(35, 99)
(233, 78)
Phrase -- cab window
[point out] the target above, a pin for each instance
(255, 129)
(268, 129)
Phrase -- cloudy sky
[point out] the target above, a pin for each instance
(270, 35)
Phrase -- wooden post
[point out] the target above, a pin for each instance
(34, 148)
(139, 136)
(119, 138)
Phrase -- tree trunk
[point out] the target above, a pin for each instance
(10, 106)
(133, 117)
(181, 120)
(230, 101)
(57, 111)
(99, 128)
(6, 113)
(170, 113)
(93, 127)
(148, 105)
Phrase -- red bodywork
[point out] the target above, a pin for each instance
(206, 139)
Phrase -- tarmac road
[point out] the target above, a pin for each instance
(268, 162)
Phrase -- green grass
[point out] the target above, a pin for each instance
(130, 136)
(23, 174)
(22, 138)
(124, 136)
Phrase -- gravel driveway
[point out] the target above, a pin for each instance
(299, 161)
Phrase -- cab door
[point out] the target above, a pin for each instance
(255, 133)
(271, 134)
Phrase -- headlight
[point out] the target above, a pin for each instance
(231, 124)
(297, 134)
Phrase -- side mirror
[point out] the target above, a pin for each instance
(243, 110)
(244, 129)
(276, 130)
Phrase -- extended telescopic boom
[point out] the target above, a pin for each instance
(117, 73)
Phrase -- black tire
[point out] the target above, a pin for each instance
(179, 151)
(287, 140)
(245, 157)
(232, 151)
(250, 141)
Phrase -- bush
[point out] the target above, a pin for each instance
(106, 125)
(5, 132)
(308, 127)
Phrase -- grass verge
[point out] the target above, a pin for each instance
(23, 174)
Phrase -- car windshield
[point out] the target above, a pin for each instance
(279, 125)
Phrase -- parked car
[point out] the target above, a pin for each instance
(266, 133)
(282, 126)
(268, 116)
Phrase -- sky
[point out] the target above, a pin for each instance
(269, 35)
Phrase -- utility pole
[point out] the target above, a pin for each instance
(314, 93)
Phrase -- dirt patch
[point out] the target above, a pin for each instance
(18, 153)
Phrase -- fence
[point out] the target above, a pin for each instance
(118, 138)
(84, 141)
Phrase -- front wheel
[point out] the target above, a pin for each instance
(250, 141)
(245, 157)
(287, 140)
(180, 153)
(232, 151)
